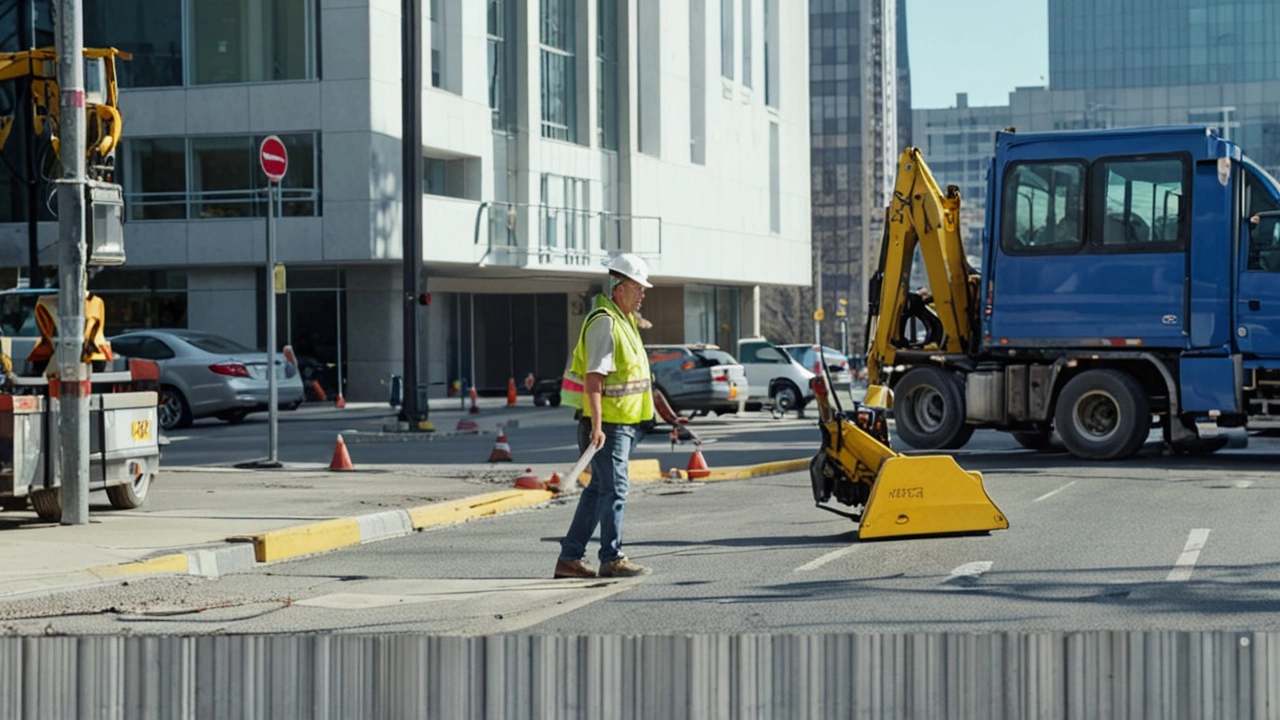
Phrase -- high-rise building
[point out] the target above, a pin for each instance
(854, 105)
(554, 133)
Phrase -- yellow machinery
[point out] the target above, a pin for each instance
(101, 102)
(96, 348)
(896, 495)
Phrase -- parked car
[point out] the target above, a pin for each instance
(698, 379)
(836, 362)
(206, 375)
(774, 375)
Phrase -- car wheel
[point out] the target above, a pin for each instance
(785, 397)
(555, 400)
(174, 412)
(47, 504)
(232, 417)
(132, 494)
(1103, 415)
(928, 409)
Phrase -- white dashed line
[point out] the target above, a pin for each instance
(1051, 493)
(971, 570)
(1242, 484)
(1190, 553)
(823, 560)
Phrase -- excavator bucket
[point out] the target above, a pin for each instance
(899, 495)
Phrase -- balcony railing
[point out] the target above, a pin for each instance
(208, 204)
(561, 235)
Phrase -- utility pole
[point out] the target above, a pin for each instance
(411, 228)
(73, 374)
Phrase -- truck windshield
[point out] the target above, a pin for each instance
(1272, 186)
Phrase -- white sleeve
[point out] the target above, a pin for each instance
(600, 346)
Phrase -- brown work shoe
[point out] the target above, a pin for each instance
(622, 568)
(573, 569)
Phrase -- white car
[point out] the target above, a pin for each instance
(774, 375)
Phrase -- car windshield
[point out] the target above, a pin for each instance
(18, 313)
(715, 357)
(216, 345)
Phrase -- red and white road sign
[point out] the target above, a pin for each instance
(273, 158)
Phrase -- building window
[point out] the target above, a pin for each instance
(775, 180)
(559, 71)
(746, 43)
(215, 177)
(726, 38)
(264, 41)
(151, 31)
(698, 82)
(566, 212)
(459, 178)
(607, 73)
(500, 24)
(771, 53)
(437, 41)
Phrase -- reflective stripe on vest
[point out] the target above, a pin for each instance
(626, 399)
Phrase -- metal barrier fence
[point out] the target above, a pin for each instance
(1139, 675)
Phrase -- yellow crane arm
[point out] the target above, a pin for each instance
(919, 215)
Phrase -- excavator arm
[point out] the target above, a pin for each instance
(919, 215)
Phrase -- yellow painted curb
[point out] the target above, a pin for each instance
(306, 539)
(645, 470)
(178, 563)
(478, 506)
(751, 471)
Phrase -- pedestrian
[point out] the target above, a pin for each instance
(608, 384)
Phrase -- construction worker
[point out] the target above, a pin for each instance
(608, 383)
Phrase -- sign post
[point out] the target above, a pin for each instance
(274, 160)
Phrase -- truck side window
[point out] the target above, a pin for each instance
(1139, 204)
(1264, 239)
(1043, 208)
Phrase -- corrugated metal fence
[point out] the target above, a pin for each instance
(1140, 675)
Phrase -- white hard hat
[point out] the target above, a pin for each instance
(631, 266)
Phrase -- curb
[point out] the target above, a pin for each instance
(244, 552)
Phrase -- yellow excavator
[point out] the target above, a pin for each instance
(101, 102)
(895, 495)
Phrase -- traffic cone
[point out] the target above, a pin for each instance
(319, 391)
(475, 409)
(501, 450)
(698, 466)
(554, 483)
(529, 481)
(468, 427)
(511, 392)
(341, 402)
(341, 460)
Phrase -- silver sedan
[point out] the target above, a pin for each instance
(206, 375)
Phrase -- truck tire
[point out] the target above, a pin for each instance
(928, 409)
(1038, 440)
(131, 495)
(1103, 415)
(47, 504)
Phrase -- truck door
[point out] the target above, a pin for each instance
(1258, 304)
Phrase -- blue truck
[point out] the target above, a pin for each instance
(1129, 281)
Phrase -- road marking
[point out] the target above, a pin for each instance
(1190, 553)
(1242, 484)
(1051, 493)
(970, 570)
(823, 560)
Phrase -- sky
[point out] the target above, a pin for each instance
(983, 47)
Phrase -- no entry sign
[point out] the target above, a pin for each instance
(273, 158)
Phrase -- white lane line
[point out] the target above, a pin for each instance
(1242, 484)
(1051, 493)
(970, 570)
(1190, 553)
(823, 560)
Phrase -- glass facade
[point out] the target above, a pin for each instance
(607, 73)
(1143, 43)
(215, 177)
(559, 70)
(501, 25)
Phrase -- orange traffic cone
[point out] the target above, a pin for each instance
(698, 466)
(501, 450)
(474, 408)
(554, 483)
(341, 460)
(341, 402)
(468, 427)
(529, 481)
(319, 391)
(511, 392)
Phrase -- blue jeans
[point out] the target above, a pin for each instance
(603, 501)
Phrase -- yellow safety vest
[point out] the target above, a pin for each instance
(626, 399)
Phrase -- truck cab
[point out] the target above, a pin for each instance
(1127, 275)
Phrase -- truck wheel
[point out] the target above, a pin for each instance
(928, 409)
(1103, 415)
(131, 495)
(785, 397)
(47, 504)
(174, 412)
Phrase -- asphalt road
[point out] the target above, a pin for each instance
(1156, 542)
